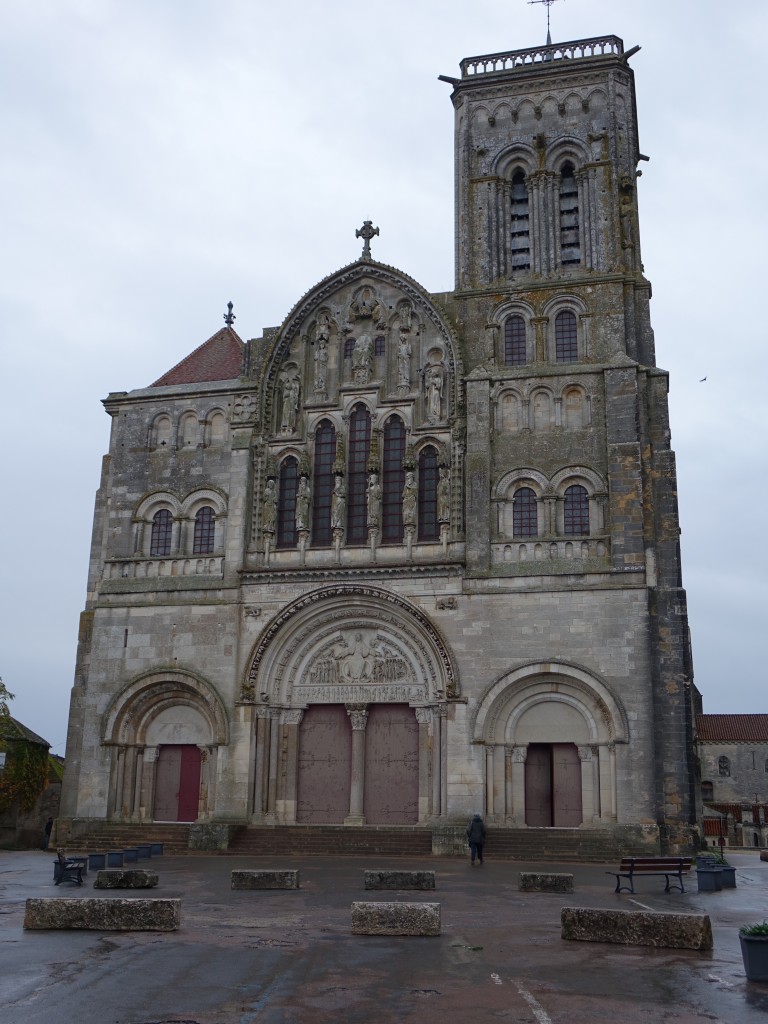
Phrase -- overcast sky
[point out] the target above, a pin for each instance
(161, 157)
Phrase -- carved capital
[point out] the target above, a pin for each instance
(358, 715)
(519, 754)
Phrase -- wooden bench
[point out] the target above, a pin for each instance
(670, 867)
(68, 869)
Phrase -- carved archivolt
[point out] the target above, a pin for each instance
(343, 644)
(134, 708)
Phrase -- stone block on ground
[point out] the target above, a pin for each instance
(399, 880)
(395, 918)
(261, 879)
(637, 928)
(544, 881)
(100, 914)
(127, 878)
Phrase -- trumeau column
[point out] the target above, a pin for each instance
(478, 506)
(358, 716)
(291, 721)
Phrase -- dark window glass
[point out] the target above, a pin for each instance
(286, 504)
(322, 484)
(707, 791)
(576, 511)
(392, 482)
(378, 345)
(349, 347)
(570, 251)
(205, 528)
(514, 341)
(357, 476)
(524, 516)
(162, 525)
(724, 766)
(566, 342)
(429, 528)
(520, 253)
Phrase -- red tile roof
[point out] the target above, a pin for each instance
(738, 728)
(219, 358)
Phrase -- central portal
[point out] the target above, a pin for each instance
(553, 786)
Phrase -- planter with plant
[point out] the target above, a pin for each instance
(754, 950)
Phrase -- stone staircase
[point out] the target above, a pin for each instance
(114, 836)
(333, 840)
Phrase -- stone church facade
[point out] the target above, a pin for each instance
(410, 556)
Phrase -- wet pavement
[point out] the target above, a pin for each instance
(280, 957)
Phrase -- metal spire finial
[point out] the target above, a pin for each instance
(229, 316)
(548, 4)
(366, 232)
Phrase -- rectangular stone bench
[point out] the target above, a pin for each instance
(543, 881)
(129, 878)
(395, 918)
(399, 880)
(637, 928)
(265, 879)
(100, 914)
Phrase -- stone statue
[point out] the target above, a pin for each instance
(269, 507)
(302, 504)
(434, 377)
(361, 354)
(404, 361)
(339, 505)
(290, 405)
(444, 496)
(374, 501)
(321, 360)
(410, 497)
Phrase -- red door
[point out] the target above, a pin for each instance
(325, 765)
(391, 789)
(177, 783)
(553, 786)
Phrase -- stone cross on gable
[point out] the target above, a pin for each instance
(229, 316)
(366, 232)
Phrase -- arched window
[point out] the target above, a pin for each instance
(162, 526)
(514, 341)
(188, 430)
(322, 483)
(162, 432)
(392, 482)
(566, 340)
(205, 528)
(429, 528)
(525, 522)
(576, 511)
(357, 476)
(570, 251)
(520, 238)
(286, 503)
(707, 791)
(217, 429)
(724, 766)
(379, 345)
(349, 347)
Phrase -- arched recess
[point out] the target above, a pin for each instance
(354, 647)
(163, 712)
(550, 709)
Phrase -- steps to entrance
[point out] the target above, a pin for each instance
(332, 840)
(114, 836)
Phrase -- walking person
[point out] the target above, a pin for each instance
(48, 829)
(476, 838)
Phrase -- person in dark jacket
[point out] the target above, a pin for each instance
(476, 838)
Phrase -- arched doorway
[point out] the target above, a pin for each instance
(553, 786)
(177, 782)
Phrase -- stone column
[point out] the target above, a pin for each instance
(499, 783)
(596, 810)
(274, 749)
(587, 791)
(424, 717)
(509, 807)
(436, 760)
(585, 218)
(137, 780)
(291, 721)
(205, 777)
(147, 806)
(477, 497)
(128, 783)
(607, 799)
(519, 755)
(443, 718)
(115, 798)
(262, 762)
(489, 794)
(358, 716)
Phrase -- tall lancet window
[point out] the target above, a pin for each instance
(392, 482)
(429, 528)
(514, 341)
(286, 504)
(576, 511)
(322, 484)
(357, 477)
(570, 250)
(520, 242)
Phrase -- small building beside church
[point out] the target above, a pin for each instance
(408, 556)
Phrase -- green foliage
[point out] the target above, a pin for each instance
(25, 775)
(758, 931)
(5, 696)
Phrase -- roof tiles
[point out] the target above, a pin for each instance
(219, 358)
(734, 728)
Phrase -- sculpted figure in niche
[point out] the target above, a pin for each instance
(339, 505)
(410, 496)
(290, 388)
(365, 307)
(302, 504)
(269, 507)
(434, 378)
(404, 361)
(444, 497)
(361, 356)
(374, 500)
(321, 359)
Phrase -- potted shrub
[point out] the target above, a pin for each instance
(754, 950)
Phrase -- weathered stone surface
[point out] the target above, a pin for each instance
(117, 915)
(265, 879)
(129, 878)
(764, 855)
(637, 928)
(543, 881)
(395, 918)
(399, 879)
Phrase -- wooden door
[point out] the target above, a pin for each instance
(391, 788)
(325, 765)
(538, 786)
(177, 783)
(553, 786)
